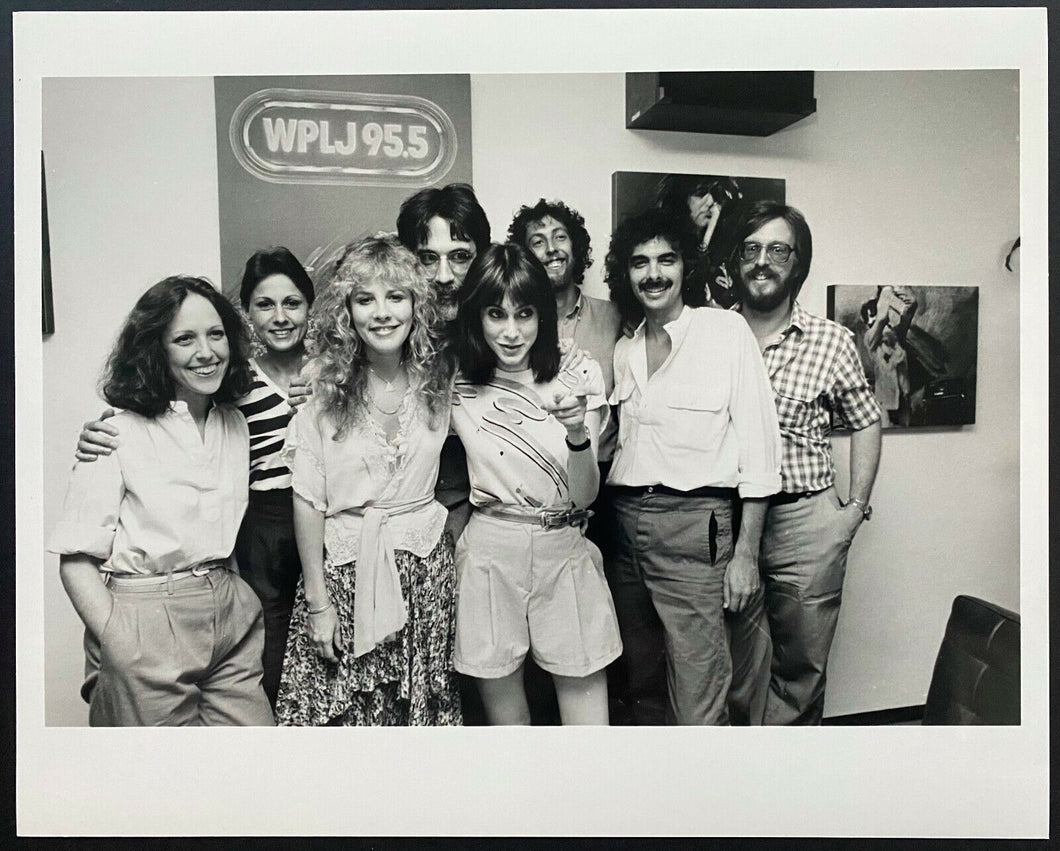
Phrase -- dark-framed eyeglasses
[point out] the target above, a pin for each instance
(459, 258)
(778, 252)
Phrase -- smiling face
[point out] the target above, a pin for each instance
(701, 208)
(766, 283)
(446, 261)
(656, 272)
(279, 313)
(196, 348)
(510, 331)
(382, 317)
(550, 242)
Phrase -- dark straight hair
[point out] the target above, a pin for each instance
(456, 203)
(506, 270)
(274, 261)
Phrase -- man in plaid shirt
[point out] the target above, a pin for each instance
(813, 365)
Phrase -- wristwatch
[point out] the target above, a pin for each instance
(862, 506)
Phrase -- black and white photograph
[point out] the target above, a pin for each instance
(711, 204)
(918, 346)
(438, 425)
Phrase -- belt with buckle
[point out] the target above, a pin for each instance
(200, 569)
(544, 518)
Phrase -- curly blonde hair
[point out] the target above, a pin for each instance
(341, 363)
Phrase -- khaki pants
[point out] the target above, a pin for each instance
(185, 653)
(781, 647)
(666, 579)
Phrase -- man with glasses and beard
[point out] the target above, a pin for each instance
(814, 368)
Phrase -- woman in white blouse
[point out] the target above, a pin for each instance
(371, 635)
(172, 636)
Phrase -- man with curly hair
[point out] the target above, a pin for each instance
(556, 235)
(698, 437)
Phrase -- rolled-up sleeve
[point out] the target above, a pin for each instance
(851, 393)
(90, 510)
(303, 454)
(754, 418)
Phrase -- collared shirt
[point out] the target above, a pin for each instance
(705, 418)
(164, 499)
(364, 469)
(516, 451)
(595, 324)
(814, 368)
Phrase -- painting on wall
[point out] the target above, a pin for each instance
(711, 204)
(918, 346)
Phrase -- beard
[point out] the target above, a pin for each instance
(766, 301)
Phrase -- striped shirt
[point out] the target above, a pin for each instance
(267, 412)
(815, 371)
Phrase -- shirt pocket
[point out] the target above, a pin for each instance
(694, 415)
(700, 399)
(795, 411)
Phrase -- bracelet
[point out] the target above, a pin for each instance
(319, 611)
(578, 447)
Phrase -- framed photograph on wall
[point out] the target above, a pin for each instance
(919, 347)
(710, 204)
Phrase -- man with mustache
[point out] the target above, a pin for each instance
(814, 368)
(697, 434)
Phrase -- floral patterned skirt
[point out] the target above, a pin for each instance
(406, 681)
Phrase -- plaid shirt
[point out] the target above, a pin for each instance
(814, 368)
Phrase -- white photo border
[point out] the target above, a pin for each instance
(888, 781)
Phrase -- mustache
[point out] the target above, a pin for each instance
(760, 269)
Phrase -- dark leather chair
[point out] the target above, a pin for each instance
(977, 672)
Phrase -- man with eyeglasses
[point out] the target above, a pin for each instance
(445, 228)
(814, 368)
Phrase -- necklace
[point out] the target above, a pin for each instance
(384, 411)
(388, 387)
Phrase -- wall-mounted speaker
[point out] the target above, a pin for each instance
(744, 103)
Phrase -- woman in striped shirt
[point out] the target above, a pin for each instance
(275, 294)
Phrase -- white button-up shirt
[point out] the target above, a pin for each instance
(165, 499)
(705, 418)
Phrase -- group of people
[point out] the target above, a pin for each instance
(470, 464)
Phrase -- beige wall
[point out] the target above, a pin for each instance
(904, 177)
(132, 198)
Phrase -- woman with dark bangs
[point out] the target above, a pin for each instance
(172, 635)
(529, 580)
(371, 634)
